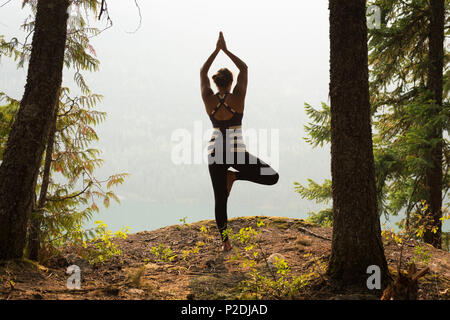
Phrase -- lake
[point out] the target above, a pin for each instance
(144, 215)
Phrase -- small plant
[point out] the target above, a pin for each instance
(391, 235)
(163, 254)
(195, 250)
(204, 230)
(278, 282)
(281, 286)
(414, 227)
(205, 236)
(421, 254)
(183, 221)
(101, 248)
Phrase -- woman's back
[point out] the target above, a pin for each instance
(229, 99)
(223, 115)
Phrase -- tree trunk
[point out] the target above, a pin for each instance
(34, 240)
(356, 242)
(27, 139)
(433, 176)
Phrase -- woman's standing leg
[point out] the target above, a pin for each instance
(218, 173)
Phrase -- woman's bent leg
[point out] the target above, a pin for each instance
(255, 170)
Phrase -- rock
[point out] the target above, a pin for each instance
(153, 267)
(136, 291)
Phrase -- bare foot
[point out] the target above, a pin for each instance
(231, 177)
(227, 246)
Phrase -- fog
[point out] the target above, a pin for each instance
(151, 87)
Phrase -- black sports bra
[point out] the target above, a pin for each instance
(235, 120)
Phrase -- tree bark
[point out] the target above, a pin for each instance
(26, 143)
(34, 233)
(433, 175)
(356, 242)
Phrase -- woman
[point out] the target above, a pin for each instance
(226, 148)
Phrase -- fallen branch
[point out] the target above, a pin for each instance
(301, 229)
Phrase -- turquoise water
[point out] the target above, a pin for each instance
(142, 215)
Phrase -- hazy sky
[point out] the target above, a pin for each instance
(150, 80)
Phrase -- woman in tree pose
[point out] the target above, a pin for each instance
(226, 148)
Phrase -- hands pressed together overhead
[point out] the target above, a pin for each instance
(221, 45)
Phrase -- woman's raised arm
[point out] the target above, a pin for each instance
(205, 85)
(238, 62)
(205, 68)
(204, 80)
(241, 84)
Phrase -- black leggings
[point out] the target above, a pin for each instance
(252, 169)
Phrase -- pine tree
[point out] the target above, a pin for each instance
(433, 176)
(406, 59)
(403, 117)
(60, 209)
(356, 242)
(26, 141)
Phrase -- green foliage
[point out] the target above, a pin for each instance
(419, 221)
(184, 223)
(323, 217)
(314, 191)
(192, 251)
(319, 131)
(285, 286)
(404, 115)
(163, 254)
(101, 248)
(320, 194)
(245, 236)
(398, 50)
(274, 282)
(71, 203)
(415, 230)
(402, 148)
(205, 236)
(7, 116)
(74, 190)
(422, 254)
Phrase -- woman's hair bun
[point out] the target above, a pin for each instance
(223, 77)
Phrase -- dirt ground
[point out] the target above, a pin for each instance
(209, 273)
